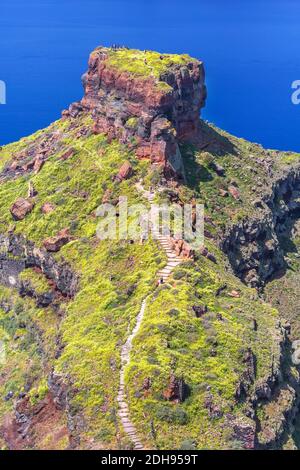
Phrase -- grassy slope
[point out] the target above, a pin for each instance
(114, 278)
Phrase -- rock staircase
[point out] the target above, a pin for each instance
(172, 261)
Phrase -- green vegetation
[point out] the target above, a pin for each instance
(132, 122)
(145, 63)
(205, 351)
(114, 278)
(36, 280)
(244, 168)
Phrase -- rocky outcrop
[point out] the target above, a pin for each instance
(32, 158)
(55, 243)
(243, 431)
(21, 208)
(42, 299)
(17, 253)
(182, 248)
(177, 390)
(271, 402)
(30, 423)
(124, 172)
(254, 245)
(149, 113)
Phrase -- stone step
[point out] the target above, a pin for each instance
(130, 430)
(126, 420)
(165, 271)
(123, 407)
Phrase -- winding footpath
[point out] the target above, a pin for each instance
(172, 261)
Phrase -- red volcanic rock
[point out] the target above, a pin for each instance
(143, 151)
(182, 248)
(176, 390)
(125, 172)
(153, 115)
(47, 208)
(21, 208)
(34, 157)
(31, 423)
(38, 163)
(55, 243)
(68, 154)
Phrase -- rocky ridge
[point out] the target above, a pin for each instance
(152, 114)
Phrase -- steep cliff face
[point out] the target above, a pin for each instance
(152, 105)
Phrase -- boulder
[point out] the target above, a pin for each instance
(124, 172)
(223, 193)
(55, 243)
(235, 294)
(38, 163)
(21, 208)
(182, 248)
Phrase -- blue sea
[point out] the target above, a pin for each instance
(250, 50)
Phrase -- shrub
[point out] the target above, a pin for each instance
(179, 274)
(172, 415)
(188, 444)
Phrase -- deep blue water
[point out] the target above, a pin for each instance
(250, 49)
